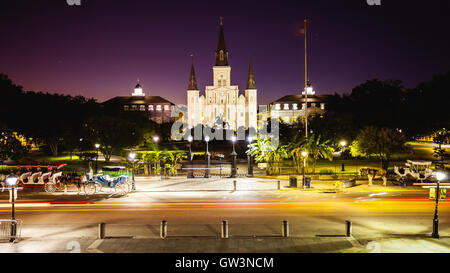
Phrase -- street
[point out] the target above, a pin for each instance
(375, 211)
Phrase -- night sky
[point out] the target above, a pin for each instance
(100, 48)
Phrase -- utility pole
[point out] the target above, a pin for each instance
(306, 82)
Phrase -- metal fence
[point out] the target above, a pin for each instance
(10, 229)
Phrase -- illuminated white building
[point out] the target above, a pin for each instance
(222, 99)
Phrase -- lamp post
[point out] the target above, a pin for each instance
(132, 157)
(12, 182)
(190, 171)
(249, 158)
(97, 146)
(343, 144)
(304, 155)
(233, 158)
(208, 158)
(440, 176)
(155, 139)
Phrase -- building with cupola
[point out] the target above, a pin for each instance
(155, 108)
(222, 100)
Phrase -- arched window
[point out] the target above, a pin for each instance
(221, 55)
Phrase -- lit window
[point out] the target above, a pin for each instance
(158, 108)
(303, 105)
(286, 106)
(126, 107)
(294, 106)
(322, 106)
(142, 107)
(277, 106)
(134, 107)
(166, 107)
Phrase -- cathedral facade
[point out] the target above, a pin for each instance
(222, 104)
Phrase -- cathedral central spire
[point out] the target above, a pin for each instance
(221, 52)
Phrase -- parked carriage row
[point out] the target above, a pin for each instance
(53, 181)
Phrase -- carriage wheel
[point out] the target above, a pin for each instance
(50, 187)
(122, 188)
(90, 188)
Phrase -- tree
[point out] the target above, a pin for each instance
(380, 142)
(114, 133)
(318, 148)
(441, 154)
(10, 146)
(264, 150)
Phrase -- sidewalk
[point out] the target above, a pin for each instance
(415, 244)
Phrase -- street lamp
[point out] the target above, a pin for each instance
(249, 158)
(132, 157)
(440, 176)
(233, 158)
(190, 171)
(155, 139)
(208, 158)
(12, 182)
(97, 146)
(343, 144)
(304, 155)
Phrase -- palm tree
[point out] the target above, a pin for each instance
(264, 150)
(317, 148)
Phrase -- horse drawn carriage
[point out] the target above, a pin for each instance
(416, 170)
(112, 177)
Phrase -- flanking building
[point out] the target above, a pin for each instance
(291, 108)
(155, 108)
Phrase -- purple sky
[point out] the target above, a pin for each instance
(98, 49)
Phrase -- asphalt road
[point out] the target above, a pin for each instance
(373, 213)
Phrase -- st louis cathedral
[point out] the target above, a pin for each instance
(222, 101)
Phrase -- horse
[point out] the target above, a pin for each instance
(75, 181)
(373, 173)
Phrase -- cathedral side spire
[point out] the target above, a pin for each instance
(192, 80)
(251, 77)
(221, 52)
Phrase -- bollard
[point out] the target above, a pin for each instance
(235, 185)
(284, 228)
(102, 230)
(278, 185)
(225, 229)
(163, 232)
(348, 228)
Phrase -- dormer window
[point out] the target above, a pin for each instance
(277, 106)
(166, 107)
(158, 108)
(286, 106)
(150, 107)
(142, 107)
(126, 107)
(294, 106)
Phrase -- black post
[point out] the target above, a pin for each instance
(436, 217)
(208, 162)
(13, 218)
(96, 162)
(343, 168)
(191, 165)
(133, 186)
(304, 178)
(233, 164)
(250, 165)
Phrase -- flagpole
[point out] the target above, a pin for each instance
(306, 84)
